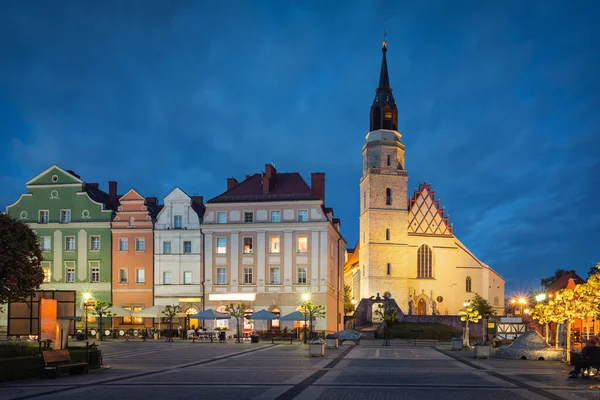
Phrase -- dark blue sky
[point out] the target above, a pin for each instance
(498, 106)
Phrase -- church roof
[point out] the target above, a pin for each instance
(288, 186)
(426, 216)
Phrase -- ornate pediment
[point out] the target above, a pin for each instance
(425, 215)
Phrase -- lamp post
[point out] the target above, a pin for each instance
(305, 298)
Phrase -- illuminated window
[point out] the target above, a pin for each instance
(275, 323)
(387, 114)
(43, 217)
(47, 275)
(95, 243)
(166, 247)
(302, 215)
(187, 247)
(247, 275)
(274, 247)
(123, 244)
(140, 275)
(302, 245)
(70, 243)
(65, 216)
(187, 277)
(248, 245)
(468, 284)
(134, 320)
(424, 262)
(221, 245)
(221, 276)
(275, 216)
(248, 217)
(302, 275)
(388, 197)
(177, 222)
(221, 217)
(274, 276)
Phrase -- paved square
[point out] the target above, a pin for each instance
(184, 370)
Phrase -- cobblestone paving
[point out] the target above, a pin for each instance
(184, 370)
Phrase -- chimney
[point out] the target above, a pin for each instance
(151, 201)
(112, 194)
(317, 185)
(198, 200)
(269, 178)
(231, 183)
(93, 185)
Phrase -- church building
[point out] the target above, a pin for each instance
(407, 245)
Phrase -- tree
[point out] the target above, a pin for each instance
(20, 261)
(171, 312)
(312, 311)
(469, 314)
(348, 306)
(102, 308)
(483, 306)
(237, 311)
(594, 270)
(547, 282)
(388, 315)
(543, 313)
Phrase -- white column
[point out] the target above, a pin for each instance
(82, 245)
(208, 260)
(324, 265)
(260, 262)
(314, 262)
(288, 252)
(57, 251)
(234, 258)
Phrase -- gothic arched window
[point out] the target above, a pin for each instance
(389, 160)
(387, 234)
(388, 197)
(424, 262)
(468, 284)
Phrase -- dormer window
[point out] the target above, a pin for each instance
(177, 222)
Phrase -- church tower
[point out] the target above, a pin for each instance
(383, 199)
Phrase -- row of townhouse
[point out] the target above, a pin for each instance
(265, 241)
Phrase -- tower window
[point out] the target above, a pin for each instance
(424, 262)
(387, 234)
(468, 284)
(364, 200)
(388, 197)
(389, 269)
(389, 160)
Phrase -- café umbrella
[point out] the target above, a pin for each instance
(262, 315)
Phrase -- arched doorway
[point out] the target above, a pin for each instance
(274, 324)
(421, 307)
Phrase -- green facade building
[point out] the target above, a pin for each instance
(72, 220)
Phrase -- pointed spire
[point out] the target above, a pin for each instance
(384, 80)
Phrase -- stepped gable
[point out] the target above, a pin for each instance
(426, 216)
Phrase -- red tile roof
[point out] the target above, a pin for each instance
(288, 187)
(563, 281)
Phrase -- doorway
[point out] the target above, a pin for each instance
(421, 307)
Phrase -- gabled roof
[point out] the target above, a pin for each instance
(70, 175)
(425, 216)
(132, 194)
(288, 187)
(563, 281)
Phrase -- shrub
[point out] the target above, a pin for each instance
(20, 368)
(10, 350)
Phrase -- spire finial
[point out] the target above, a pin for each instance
(384, 43)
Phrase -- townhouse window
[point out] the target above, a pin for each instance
(187, 247)
(45, 242)
(387, 234)
(274, 245)
(47, 274)
(95, 243)
(302, 244)
(301, 275)
(247, 275)
(70, 243)
(166, 247)
(389, 269)
(43, 216)
(364, 200)
(468, 284)
(274, 276)
(221, 276)
(123, 275)
(389, 160)
(302, 215)
(177, 222)
(388, 197)
(140, 244)
(140, 275)
(221, 245)
(248, 217)
(166, 277)
(275, 216)
(187, 277)
(248, 245)
(221, 217)
(70, 275)
(95, 275)
(65, 216)
(123, 244)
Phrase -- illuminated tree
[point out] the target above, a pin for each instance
(348, 306)
(237, 311)
(102, 308)
(543, 313)
(171, 312)
(312, 311)
(469, 314)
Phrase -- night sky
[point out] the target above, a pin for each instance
(498, 106)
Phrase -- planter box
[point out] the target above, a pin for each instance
(316, 350)
(457, 344)
(482, 351)
(332, 343)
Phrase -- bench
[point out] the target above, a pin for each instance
(57, 360)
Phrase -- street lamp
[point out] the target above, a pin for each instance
(305, 298)
(540, 297)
